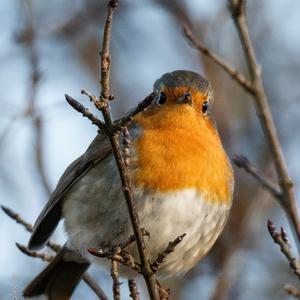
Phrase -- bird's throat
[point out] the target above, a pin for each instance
(179, 150)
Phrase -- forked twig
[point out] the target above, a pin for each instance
(43, 256)
(119, 255)
(235, 75)
(85, 113)
(281, 239)
(142, 106)
(288, 201)
(55, 247)
(243, 162)
(256, 89)
(162, 256)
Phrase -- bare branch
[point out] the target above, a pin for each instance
(125, 179)
(99, 103)
(243, 162)
(134, 294)
(88, 279)
(119, 255)
(28, 39)
(55, 247)
(142, 106)
(162, 256)
(41, 255)
(132, 239)
(281, 239)
(235, 75)
(238, 12)
(104, 54)
(85, 112)
(13, 215)
(292, 291)
(115, 277)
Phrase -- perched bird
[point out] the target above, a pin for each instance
(182, 183)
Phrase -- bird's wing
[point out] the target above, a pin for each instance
(52, 212)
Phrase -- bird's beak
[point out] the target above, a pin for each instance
(186, 98)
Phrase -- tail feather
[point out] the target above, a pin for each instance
(60, 277)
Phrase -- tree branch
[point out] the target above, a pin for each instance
(288, 201)
(113, 138)
(115, 277)
(292, 291)
(134, 294)
(127, 119)
(55, 247)
(85, 113)
(170, 248)
(242, 162)
(234, 74)
(281, 239)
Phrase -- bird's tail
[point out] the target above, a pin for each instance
(60, 277)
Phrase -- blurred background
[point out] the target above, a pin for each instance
(49, 48)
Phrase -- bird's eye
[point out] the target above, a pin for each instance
(162, 98)
(205, 106)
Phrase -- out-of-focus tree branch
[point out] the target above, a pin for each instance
(244, 163)
(289, 203)
(256, 89)
(53, 246)
(27, 38)
(281, 239)
(292, 291)
(235, 75)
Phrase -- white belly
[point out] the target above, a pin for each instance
(96, 215)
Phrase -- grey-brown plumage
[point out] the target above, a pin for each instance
(52, 212)
(62, 274)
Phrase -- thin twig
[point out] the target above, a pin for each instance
(119, 255)
(123, 122)
(134, 293)
(88, 279)
(288, 201)
(41, 255)
(113, 138)
(292, 291)
(115, 277)
(15, 216)
(85, 112)
(92, 97)
(132, 239)
(105, 52)
(55, 247)
(28, 39)
(243, 162)
(116, 126)
(162, 256)
(235, 75)
(281, 239)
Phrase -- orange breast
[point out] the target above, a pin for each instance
(180, 149)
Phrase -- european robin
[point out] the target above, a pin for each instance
(182, 183)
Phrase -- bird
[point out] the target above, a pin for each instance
(182, 182)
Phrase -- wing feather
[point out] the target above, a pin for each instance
(50, 216)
